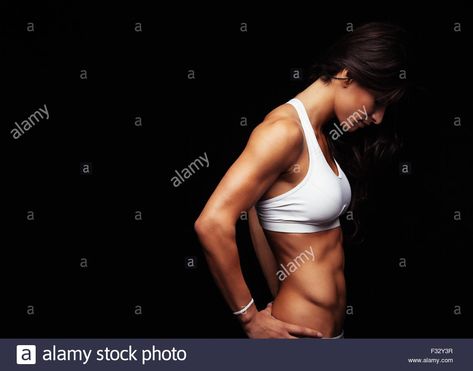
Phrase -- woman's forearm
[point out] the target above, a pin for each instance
(221, 252)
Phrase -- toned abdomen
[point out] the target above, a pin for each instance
(313, 294)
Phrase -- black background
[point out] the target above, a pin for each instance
(238, 74)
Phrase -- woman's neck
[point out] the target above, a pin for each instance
(318, 100)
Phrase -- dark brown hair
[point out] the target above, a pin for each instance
(375, 56)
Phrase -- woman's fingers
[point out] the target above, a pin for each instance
(266, 326)
(303, 331)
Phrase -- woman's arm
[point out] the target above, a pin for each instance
(263, 252)
(271, 149)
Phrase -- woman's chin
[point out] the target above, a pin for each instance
(353, 128)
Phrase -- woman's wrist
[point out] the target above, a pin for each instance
(248, 315)
(245, 308)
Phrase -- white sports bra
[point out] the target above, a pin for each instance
(314, 204)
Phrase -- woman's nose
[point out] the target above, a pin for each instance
(378, 115)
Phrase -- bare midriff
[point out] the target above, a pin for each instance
(312, 289)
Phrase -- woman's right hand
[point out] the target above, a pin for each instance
(263, 326)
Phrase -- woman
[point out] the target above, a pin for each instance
(295, 191)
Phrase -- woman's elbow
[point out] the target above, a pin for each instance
(204, 225)
(210, 226)
(201, 225)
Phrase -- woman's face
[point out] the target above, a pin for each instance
(355, 106)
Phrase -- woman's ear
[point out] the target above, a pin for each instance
(345, 74)
(347, 82)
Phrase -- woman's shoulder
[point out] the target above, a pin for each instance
(283, 112)
(282, 121)
(280, 134)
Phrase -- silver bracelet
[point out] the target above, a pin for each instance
(245, 308)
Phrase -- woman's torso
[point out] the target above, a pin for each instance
(312, 283)
(310, 265)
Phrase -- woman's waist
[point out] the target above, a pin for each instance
(313, 284)
(320, 306)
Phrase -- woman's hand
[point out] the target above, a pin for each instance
(263, 326)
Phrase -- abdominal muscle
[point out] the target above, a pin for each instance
(312, 293)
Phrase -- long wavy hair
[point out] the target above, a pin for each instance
(375, 56)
